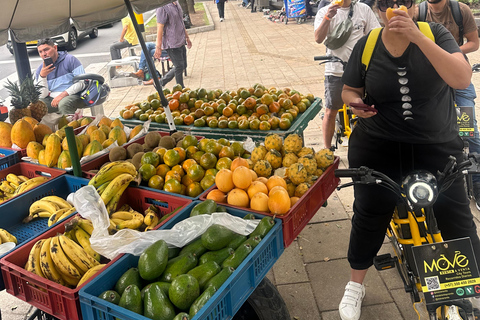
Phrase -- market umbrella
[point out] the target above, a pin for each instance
(36, 19)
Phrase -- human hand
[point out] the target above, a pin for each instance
(189, 44)
(404, 25)
(58, 98)
(361, 110)
(332, 11)
(46, 70)
(158, 53)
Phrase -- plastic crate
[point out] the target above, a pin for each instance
(57, 300)
(8, 158)
(300, 214)
(223, 305)
(21, 152)
(298, 126)
(19, 208)
(29, 170)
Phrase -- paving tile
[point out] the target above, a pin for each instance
(299, 300)
(290, 268)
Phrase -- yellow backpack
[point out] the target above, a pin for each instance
(373, 37)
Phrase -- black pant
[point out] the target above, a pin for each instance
(253, 6)
(373, 205)
(178, 56)
(221, 8)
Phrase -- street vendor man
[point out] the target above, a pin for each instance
(56, 74)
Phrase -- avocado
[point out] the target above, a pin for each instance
(153, 260)
(195, 247)
(221, 209)
(156, 304)
(237, 240)
(265, 225)
(249, 216)
(184, 291)
(253, 241)
(131, 276)
(220, 278)
(173, 252)
(182, 316)
(201, 301)
(217, 237)
(218, 256)
(238, 256)
(205, 272)
(206, 207)
(163, 285)
(181, 265)
(131, 299)
(110, 296)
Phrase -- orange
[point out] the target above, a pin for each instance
(193, 190)
(226, 151)
(238, 197)
(187, 163)
(207, 181)
(259, 202)
(178, 168)
(162, 170)
(171, 157)
(186, 180)
(223, 163)
(147, 171)
(390, 14)
(211, 172)
(173, 104)
(224, 181)
(191, 151)
(173, 175)
(156, 182)
(195, 172)
(181, 152)
(208, 160)
(173, 186)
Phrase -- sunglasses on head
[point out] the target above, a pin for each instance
(383, 5)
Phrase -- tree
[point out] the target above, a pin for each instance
(191, 5)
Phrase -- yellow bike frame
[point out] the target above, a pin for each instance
(347, 131)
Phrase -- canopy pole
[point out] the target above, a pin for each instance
(22, 63)
(151, 67)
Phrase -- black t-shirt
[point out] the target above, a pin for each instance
(414, 104)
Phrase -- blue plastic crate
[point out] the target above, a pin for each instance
(13, 212)
(8, 158)
(223, 305)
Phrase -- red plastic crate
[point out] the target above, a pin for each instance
(57, 300)
(300, 214)
(95, 164)
(30, 170)
(21, 152)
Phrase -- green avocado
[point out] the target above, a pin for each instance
(153, 260)
(156, 304)
(195, 247)
(220, 278)
(110, 296)
(184, 291)
(205, 272)
(131, 299)
(206, 207)
(181, 265)
(217, 237)
(201, 301)
(131, 276)
(218, 256)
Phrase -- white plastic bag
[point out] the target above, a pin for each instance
(90, 206)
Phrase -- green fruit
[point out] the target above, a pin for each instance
(201, 301)
(153, 260)
(156, 304)
(131, 299)
(236, 241)
(204, 272)
(217, 256)
(206, 207)
(182, 316)
(163, 285)
(184, 291)
(253, 241)
(265, 225)
(195, 247)
(238, 256)
(131, 276)
(110, 296)
(217, 237)
(152, 158)
(217, 281)
(178, 266)
(147, 171)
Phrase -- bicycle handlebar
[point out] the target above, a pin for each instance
(328, 58)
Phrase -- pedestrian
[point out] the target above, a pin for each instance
(252, 4)
(172, 37)
(410, 81)
(308, 9)
(56, 75)
(142, 65)
(128, 38)
(327, 18)
(442, 12)
(221, 9)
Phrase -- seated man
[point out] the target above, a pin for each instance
(59, 92)
(128, 38)
(143, 67)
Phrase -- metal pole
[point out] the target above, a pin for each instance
(21, 58)
(151, 67)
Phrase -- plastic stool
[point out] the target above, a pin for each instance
(131, 50)
(97, 109)
(131, 61)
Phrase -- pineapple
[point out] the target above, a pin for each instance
(32, 94)
(19, 102)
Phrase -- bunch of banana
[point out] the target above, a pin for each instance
(52, 207)
(80, 230)
(125, 219)
(9, 185)
(29, 184)
(61, 260)
(112, 180)
(151, 218)
(6, 236)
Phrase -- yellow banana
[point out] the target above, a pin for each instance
(13, 178)
(109, 171)
(86, 225)
(117, 221)
(69, 281)
(83, 239)
(60, 202)
(7, 236)
(153, 224)
(62, 263)
(22, 178)
(43, 205)
(113, 203)
(150, 218)
(65, 214)
(47, 265)
(77, 254)
(134, 223)
(27, 185)
(5, 187)
(115, 186)
(103, 187)
(124, 215)
(13, 185)
(53, 218)
(41, 214)
(126, 207)
(90, 273)
(112, 228)
(33, 262)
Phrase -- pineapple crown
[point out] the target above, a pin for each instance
(19, 100)
(31, 89)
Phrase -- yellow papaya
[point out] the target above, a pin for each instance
(5, 134)
(41, 157)
(98, 135)
(116, 123)
(92, 148)
(64, 160)
(74, 124)
(52, 150)
(91, 129)
(77, 141)
(85, 121)
(85, 139)
(22, 133)
(107, 143)
(106, 121)
(119, 135)
(33, 149)
(44, 140)
(135, 131)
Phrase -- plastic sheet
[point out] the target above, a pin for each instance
(90, 206)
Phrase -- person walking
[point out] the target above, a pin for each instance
(172, 37)
(221, 9)
(327, 18)
(442, 11)
(128, 38)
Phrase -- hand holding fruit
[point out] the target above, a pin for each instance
(400, 21)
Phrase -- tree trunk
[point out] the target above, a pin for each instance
(183, 4)
(191, 5)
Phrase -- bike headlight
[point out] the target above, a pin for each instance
(421, 188)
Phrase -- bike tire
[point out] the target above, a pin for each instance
(265, 303)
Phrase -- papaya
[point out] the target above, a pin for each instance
(52, 150)
(85, 121)
(136, 130)
(92, 148)
(5, 134)
(107, 143)
(119, 135)
(116, 123)
(41, 157)
(85, 139)
(78, 142)
(64, 160)
(22, 133)
(33, 149)
(98, 135)
(41, 130)
(106, 121)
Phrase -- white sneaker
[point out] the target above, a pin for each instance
(453, 314)
(221, 19)
(351, 304)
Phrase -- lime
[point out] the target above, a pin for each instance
(156, 182)
(151, 158)
(147, 171)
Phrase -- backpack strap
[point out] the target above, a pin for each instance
(426, 30)
(457, 16)
(422, 11)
